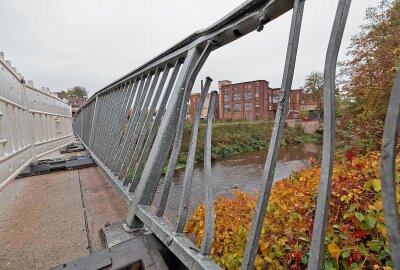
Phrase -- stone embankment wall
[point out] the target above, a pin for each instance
(309, 127)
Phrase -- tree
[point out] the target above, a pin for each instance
(375, 58)
(314, 86)
(369, 75)
(77, 91)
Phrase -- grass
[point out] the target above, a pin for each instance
(231, 138)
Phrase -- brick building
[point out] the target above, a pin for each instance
(76, 102)
(194, 101)
(256, 100)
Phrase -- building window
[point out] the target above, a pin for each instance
(257, 89)
(237, 107)
(257, 101)
(248, 106)
(275, 99)
(248, 95)
(236, 96)
(257, 109)
(227, 107)
(236, 88)
(227, 97)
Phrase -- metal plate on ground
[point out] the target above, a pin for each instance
(57, 164)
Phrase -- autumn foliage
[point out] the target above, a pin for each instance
(369, 74)
(356, 235)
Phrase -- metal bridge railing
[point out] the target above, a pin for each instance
(33, 123)
(133, 128)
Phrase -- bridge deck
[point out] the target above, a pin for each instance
(51, 219)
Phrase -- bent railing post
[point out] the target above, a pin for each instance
(208, 233)
(144, 113)
(145, 127)
(152, 171)
(153, 130)
(187, 181)
(388, 173)
(322, 207)
(251, 249)
(177, 146)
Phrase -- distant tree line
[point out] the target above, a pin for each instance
(78, 91)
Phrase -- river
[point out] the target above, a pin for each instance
(243, 172)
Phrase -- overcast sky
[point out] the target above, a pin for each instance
(63, 43)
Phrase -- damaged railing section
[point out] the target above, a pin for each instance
(134, 126)
(33, 122)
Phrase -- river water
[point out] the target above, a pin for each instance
(242, 172)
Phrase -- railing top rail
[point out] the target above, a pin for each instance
(252, 14)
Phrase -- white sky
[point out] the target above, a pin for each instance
(63, 43)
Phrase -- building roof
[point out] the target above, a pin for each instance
(244, 82)
(76, 101)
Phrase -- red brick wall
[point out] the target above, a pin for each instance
(261, 104)
(194, 101)
(243, 100)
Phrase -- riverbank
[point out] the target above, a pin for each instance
(238, 172)
(231, 138)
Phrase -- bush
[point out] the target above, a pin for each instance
(356, 234)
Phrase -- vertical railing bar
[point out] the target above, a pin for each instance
(150, 178)
(208, 232)
(82, 127)
(137, 117)
(85, 114)
(131, 122)
(111, 103)
(98, 129)
(388, 173)
(322, 207)
(87, 121)
(100, 125)
(154, 129)
(146, 126)
(120, 120)
(116, 114)
(273, 150)
(80, 131)
(121, 103)
(134, 99)
(188, 178)
(139, 126)
(106, 109)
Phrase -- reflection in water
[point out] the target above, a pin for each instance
(242, 172)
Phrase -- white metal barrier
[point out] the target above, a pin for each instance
(33, 123)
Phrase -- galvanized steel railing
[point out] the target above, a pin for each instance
(33, 123)
(133, 128)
